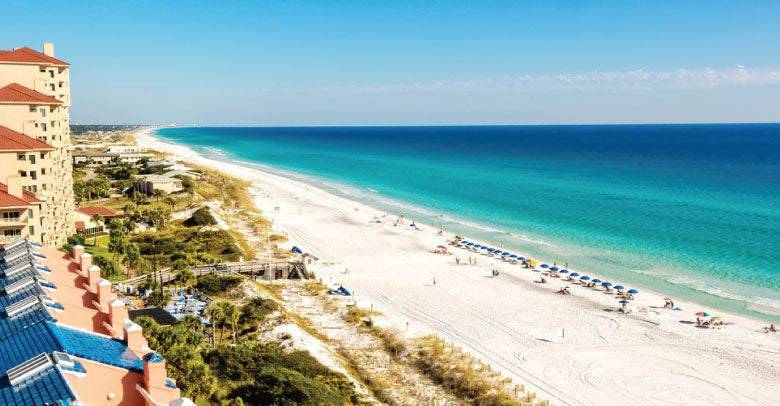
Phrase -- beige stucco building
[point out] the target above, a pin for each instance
(34, 101)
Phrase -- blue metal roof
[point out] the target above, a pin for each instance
(47, 387)
(14, 324)
(95, 347)
(33, 289)
(26, 344)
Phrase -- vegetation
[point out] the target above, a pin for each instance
(214, 285)
(201, 217)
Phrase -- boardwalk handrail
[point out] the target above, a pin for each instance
(221, 268)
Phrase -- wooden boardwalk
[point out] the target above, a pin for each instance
(257, 269)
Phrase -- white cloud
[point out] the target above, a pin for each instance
(639, 79)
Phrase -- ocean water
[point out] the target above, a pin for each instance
(692, 211)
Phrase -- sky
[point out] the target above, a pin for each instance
(303, 63)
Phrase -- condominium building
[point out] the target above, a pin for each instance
(35, 136)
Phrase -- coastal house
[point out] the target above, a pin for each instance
(67, 339)
(148, 183)
(35, 135)
(83, 219)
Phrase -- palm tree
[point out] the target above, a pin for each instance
(234, 318)
(97, 219)
(186, 277)
(214, 315)
(157, 193)
(170, 202)
(191, 323)
(227, 311)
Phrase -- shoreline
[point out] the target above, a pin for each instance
(511, 321)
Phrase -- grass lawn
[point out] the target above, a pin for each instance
(101, 249)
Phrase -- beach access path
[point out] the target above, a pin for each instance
(652, 356)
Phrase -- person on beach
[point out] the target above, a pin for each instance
(457, 261)
(567, 266)
(542, 279)
(434, 281)
(770, 329)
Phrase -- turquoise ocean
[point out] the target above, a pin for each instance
(692, 211)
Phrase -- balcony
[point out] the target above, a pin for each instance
(7, 239)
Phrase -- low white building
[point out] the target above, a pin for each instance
(148, 183)
(125, 148)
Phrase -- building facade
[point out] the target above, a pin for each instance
(34, 102)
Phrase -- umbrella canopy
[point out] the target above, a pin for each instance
(545, 266)
(484, 247)
(585, 278)
(491, 249)
(477, 246)
(521, 258)
(575, 274)
(441, 246)
(633, 291)
(464, 242)
(513, 256)
(499, 251)
(607, 284)
(596, 281)
(471, 244)
(412, 225)
(703, 314)
(564, 271)
(619, 287)
(624, 302)
(555, 268)
(534, 262)
(506, 253)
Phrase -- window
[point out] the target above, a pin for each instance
(23, 174)
(32, 159)
(32, 230)
(43, 111)
(33, 175)
(11, 217)
(33, 109)
(31, 188)
(51, 73)
(43, 186)
(13, 233)
(22, 157)
(53, 88)
(43, 171)
(42, 154)
(43, 126)
(51, 109)
(30, 214)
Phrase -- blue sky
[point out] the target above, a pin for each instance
(411, 63)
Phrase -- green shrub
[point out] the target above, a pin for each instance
(201, 217)
(108, 267)
(214, 284)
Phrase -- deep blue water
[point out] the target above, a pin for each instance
(688, 210)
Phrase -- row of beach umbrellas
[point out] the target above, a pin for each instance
(545, 266)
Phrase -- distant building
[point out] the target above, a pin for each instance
(99, 158)
(148, 183)
(34, 102)
(67, 340)
(125, 148)
(83, 219)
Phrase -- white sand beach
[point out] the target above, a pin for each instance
(652, 356)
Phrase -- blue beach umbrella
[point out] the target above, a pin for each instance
(484, 247)
(633, 291)
(477, 246)
(624, 302)
(464, 242)
(491, 249)
(506, 253)
(521, 258)
(471, 244)
(619, 287)
(513, 256)
(555, 268)
(564, 271)
(596, 281)
(607, 284)
(544, 266)
(574, 274)
(585, 278)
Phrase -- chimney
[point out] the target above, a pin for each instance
(134, 338)
(86, 262)
(14, 183)
(77, 251)
(117, 314)
(104, 294)
(155, 378)
(93, 276)
(48, 49)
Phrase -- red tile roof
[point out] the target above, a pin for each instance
(27, 197)
(16, 93)
(8, 200)
(89, 211)
(80, 225)
(27, 55)
(11, 140)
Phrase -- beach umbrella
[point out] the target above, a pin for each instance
(574, 274)
(624, 302)
(607, 284)
(521, 258)
(491, 249)
(506, 253)
(596, 281)
(555, 268)
(464, 242)
(585, 278)
(412, 225)
(633, 291)
(499, 251)
(703, 314)
(619, 287)
(545, 266)
(477, 246)
(564, 271)
(513, 256)
(534, 262)
(484, 247)
(441, 246)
